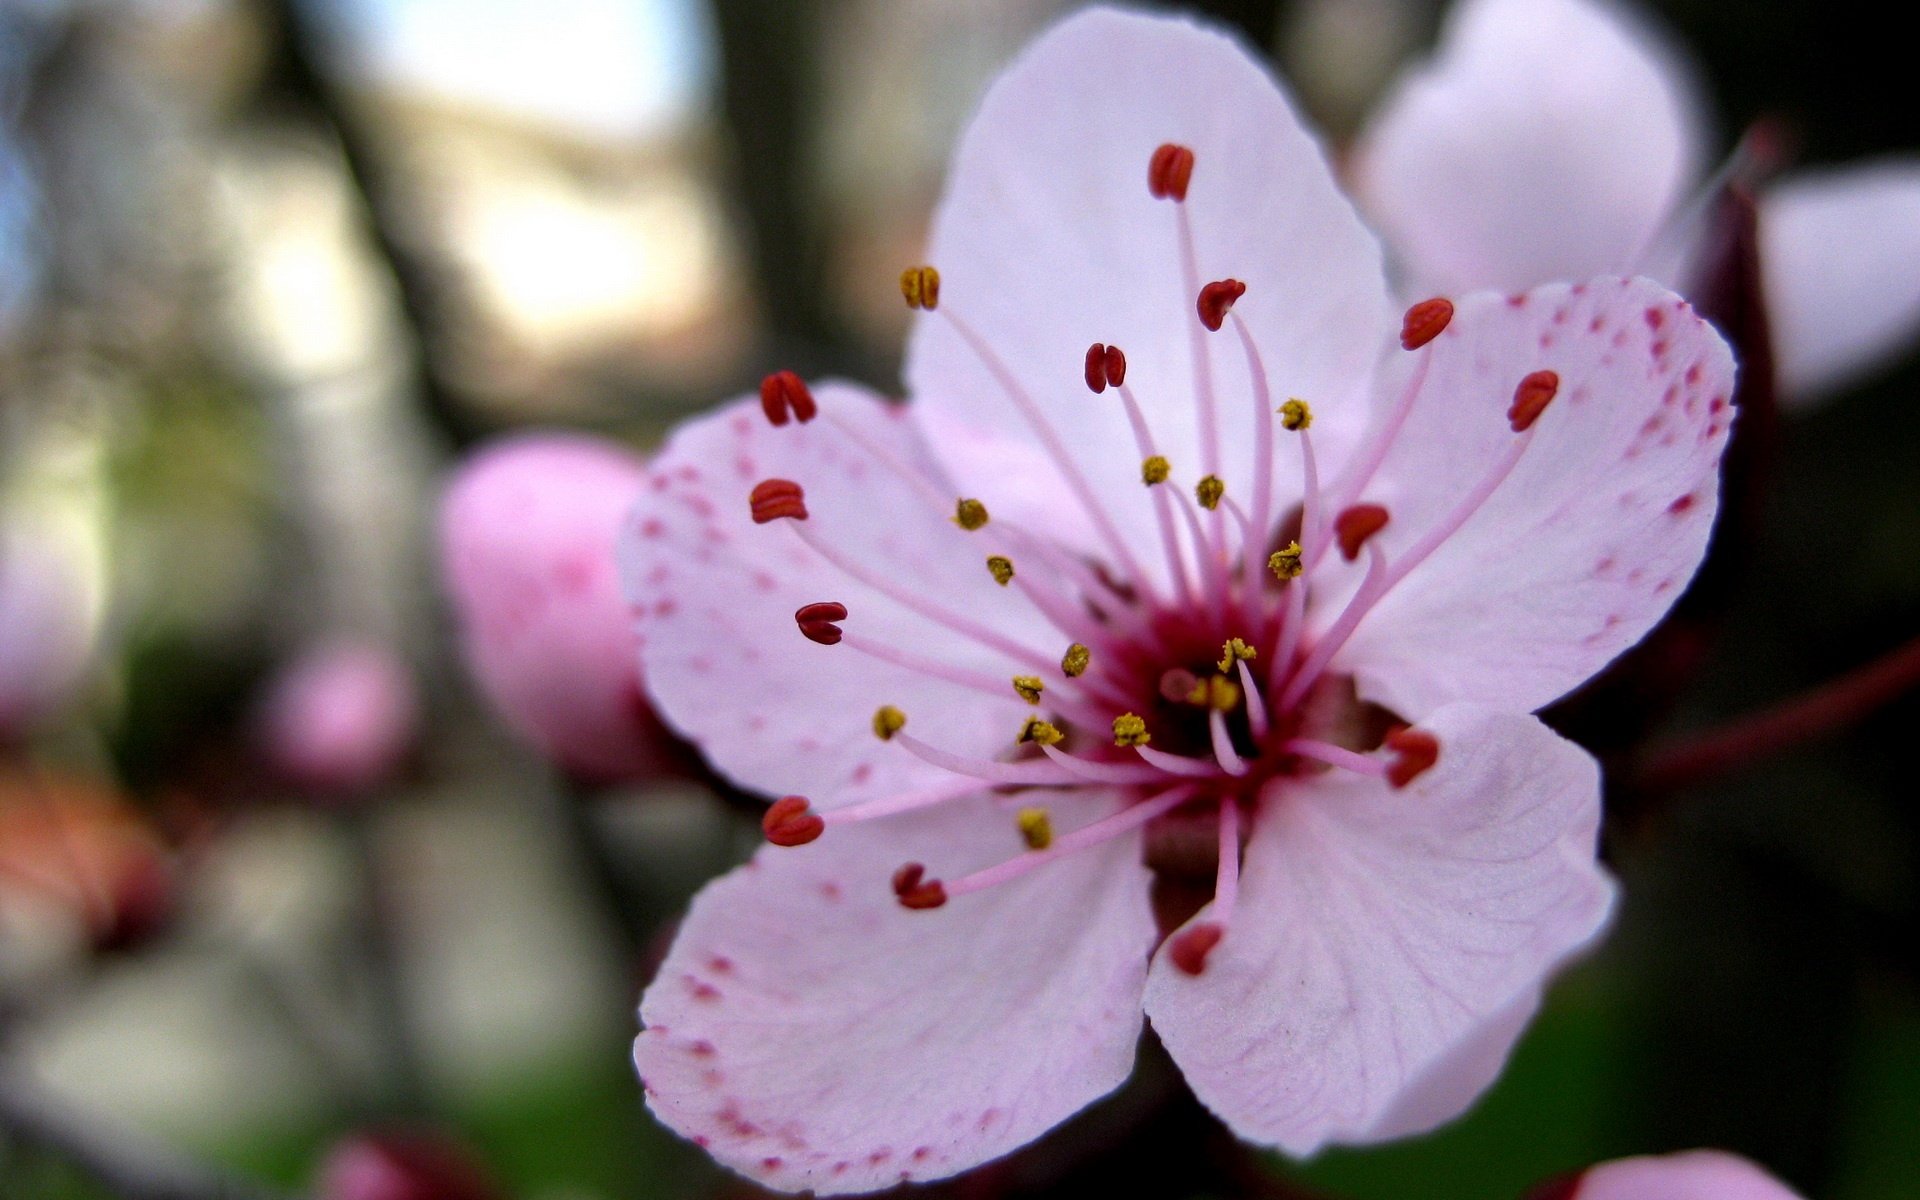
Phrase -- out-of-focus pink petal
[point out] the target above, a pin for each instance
(1692, 1175)
(1546, 140)
(1597, 530)
(810, 1032)
(49, 612)
(1388, 944)
(1840, 256)
(527, 531)
(340, 717)
(1048, 241)
(715, 596)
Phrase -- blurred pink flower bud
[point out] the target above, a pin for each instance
(47, 624)
(527, 530)
(1693, 1175)
(396, 1165)
(339, 718)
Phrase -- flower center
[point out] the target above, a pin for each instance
(1192, 691)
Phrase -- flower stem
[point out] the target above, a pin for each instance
(1750, 739)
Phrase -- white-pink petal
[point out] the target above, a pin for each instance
(1388, 944)
(1692, 1175)
(1546, 139)
(1840, 260)
(811, 1033)
(1048, 241)
(714, 597)
(1597, 530)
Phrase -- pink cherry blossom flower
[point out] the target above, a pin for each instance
(527, 530)
(1556, 139)
(340, 717)
(1693, 1175)
(1120, 612)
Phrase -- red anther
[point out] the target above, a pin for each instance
(1531, 398)
(1169, 171)
(1106, 367)
(1190, 947)
(1216, 298)
(782, 394)
(1097, 368)
(776, 498)
(915, 890)
(817, 621)
(791, 822)
(1354, 526)
(1425, 321)
(1415, 750)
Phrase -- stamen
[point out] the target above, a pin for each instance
(931, 667)
(1235, 650)
(969, 514)
(1354, 526)
(1334, 756)
(888, 721)
(791, 822)
(1106, 367)
(1209, 491)
(1215, 691)
(1056, 449)
(773, 499)
(816, 621)
(1223, 751)
(1295, 415)
(1130, 730)
(1417, 750)
(1032, 773)
(1216, 300)
(1153, 471)
(1001, 568)
(1285, 564)
(1367, 460)
(1029, 687)
(1531, 398)
(1169, 171)
(1256, 538)
(1035, 826)
(1424, 322)
(1103, 772)
(1126, 820)
(921, 287)
(1175, 764)
(913, 600)
(1197, 349)
(784, 394)
(1073, 663)
(1342, 629)
(915, 890)
(1312, 506)
(1256, 704)
(890, 806)
(1189, 948)
(1038, 732)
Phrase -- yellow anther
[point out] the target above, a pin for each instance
(1029, 687)
(1036, 827)
(1155, 470)
(1130, 730)
(921, 287)
(888, 721)
(970, 515)
(1074, 662)
(1215, 691)
(1234, 651)
(1208, 492)
(1001, 567)
(1046, 733)
(1286, 563)
(1295, 414)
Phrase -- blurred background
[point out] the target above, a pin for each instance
(268, 268)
